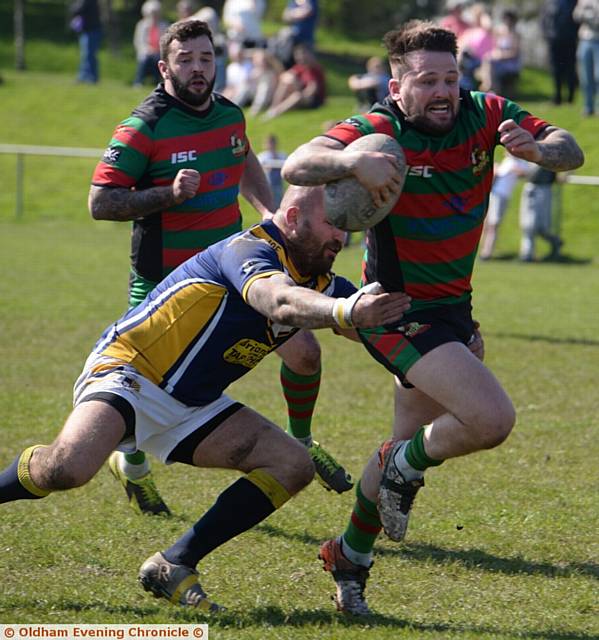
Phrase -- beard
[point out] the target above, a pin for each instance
(188, 96)
(424, 123)
(308, 255)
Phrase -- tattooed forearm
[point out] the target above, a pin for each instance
(316, 163)
(123, 204)
(560, 151)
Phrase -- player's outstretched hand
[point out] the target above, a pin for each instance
(186, 185)
(373, 310)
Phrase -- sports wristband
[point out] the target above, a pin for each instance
(343, 307)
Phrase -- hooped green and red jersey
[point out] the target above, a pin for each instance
(148, 149)
(427, 245)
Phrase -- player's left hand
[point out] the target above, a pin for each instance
(519, 142)
(476, 343)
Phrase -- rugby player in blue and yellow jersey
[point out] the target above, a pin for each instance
(156, 379)
(175, 168)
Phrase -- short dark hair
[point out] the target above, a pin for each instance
(417, 35)
(182, 31)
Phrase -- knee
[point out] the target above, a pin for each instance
(498, 425)
(305, 358)
(59, 472)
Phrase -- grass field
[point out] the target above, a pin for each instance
(503, 544)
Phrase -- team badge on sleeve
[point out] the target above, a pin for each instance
(111, 155)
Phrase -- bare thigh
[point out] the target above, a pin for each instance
(90, 434)
(413, 408)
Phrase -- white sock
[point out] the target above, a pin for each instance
(132, 471)
(363, 559)
(407, 471)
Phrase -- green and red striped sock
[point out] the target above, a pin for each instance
(362, 529)
(300, 392)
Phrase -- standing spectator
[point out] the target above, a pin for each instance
(561, 33)
(586, 14)
(85, 22)
(536, 214)
(301, 86)
(507, 173)
(501, 67)
(146, 41)
(242, 20)
(186, 9)
(370, 87)
(474, 45)
(302, 17)
(271, 160)
(454, 19)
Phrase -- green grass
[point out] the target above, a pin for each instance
(503, 544)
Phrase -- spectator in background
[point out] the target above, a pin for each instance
(536, 214)
(239, 86)
(501, 67)
(586, 14)
(474, 45)
(85, 22)
(454, 19)
(302, 86)
(507, 173)
(561, 33)
(302, 18)
(146, 41)
(186, 9)
(370, 87)
(210, 17)
(271, 160)
(242, 20)
(266, 72)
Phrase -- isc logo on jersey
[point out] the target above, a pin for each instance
(183, 156)
(421, 171)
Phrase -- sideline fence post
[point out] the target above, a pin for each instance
(20, 182)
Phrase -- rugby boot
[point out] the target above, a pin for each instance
(350, 579)
(142, 492)
(396, 494)
(176, 582)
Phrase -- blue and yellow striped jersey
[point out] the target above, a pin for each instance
(194, 333)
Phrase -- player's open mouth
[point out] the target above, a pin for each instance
(440, 109)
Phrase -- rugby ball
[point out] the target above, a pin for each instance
(348, 204)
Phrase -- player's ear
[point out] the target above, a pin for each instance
(292, 217)
(163, 68)
(394, 87)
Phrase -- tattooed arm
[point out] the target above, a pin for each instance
(117, 203)
(323, 160)
(554, 149)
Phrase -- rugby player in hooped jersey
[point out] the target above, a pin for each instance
(156, 380)
(175, 168)
(447, 402)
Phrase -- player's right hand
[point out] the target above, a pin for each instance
(380, 174)
(373, 310)
(186, 185)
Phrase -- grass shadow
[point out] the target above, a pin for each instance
(273, 617)
(469, 558)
